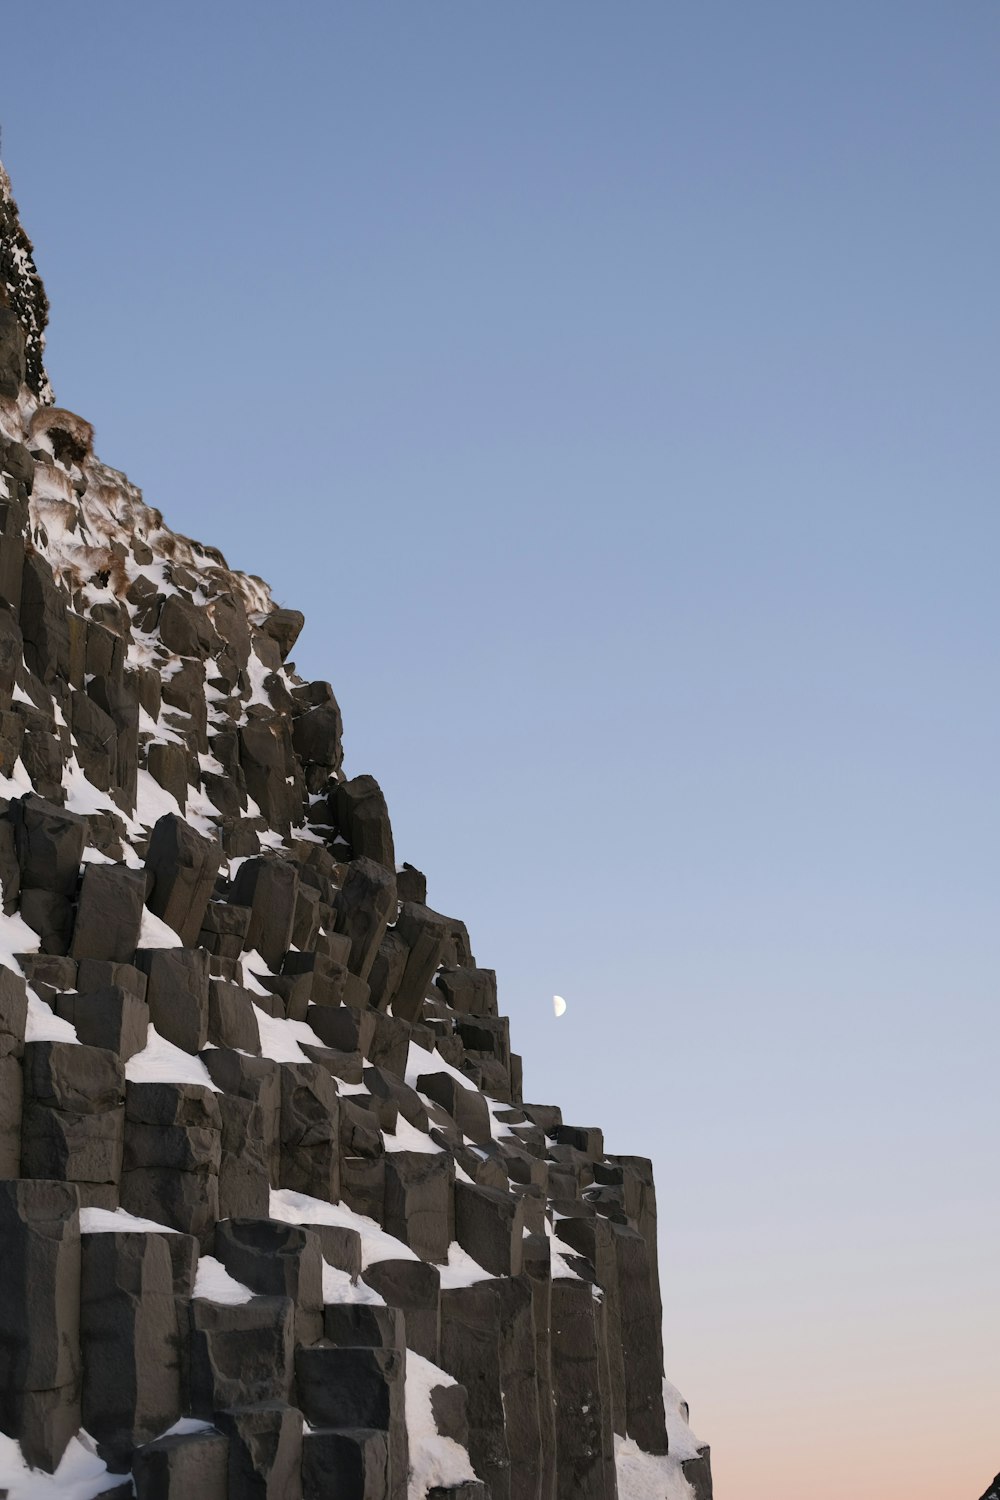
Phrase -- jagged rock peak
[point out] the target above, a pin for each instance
(22, 292)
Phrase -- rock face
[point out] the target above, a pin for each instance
(265, 1164)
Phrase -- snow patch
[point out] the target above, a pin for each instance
(161, 1062)
(117, 1221)
(376, 1244)
(155, 933)
(213, 1283)
(80, 1476)
(434, 1460)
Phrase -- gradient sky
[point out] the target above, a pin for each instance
(615, 388)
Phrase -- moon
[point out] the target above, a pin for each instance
(559, 1005)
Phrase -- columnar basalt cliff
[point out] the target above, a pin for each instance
(274, 1217)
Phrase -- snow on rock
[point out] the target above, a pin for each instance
(80, 1476)
(647, 1476)
(338, 1287)
(161, 1062)
(376, 1244)
(434, 1460)
(117, 1221)
(213, 1283)
(280, 1038)
(407, 1137)
(43, 1025)
(15, 937)
(419, 1060)
(155, 933)
(461, 1269)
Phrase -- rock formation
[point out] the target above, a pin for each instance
(275, 1219)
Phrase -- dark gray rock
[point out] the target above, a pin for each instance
(362, 1185)
(11, 1104)
(183, 865)
(96, 736)
(414, 1287)
(189, 1465)
(267, 760)
(519, 1382)
(450, 1409)
(224, 929)
(257, 1079)
(420, 1202)
(128, 1334)
(73, 1117)
(425, 933)
(40, 1363)
(390, 1044)
(232, 1020)
(365, 904)
(41, 754)
(244, 1170)
(241, 1354)
(387, 1090)
(388, 969)
(341, 1247)
(113, 1018)
(13, 369)
(411, 884)
(278, 1260)
(310, 1131)
(109, 915)
(186, 628)
(471, 992)
(363, 819)
(698, 1473)
(344, 1027)
(177, 994)
(48, 974)
(593, 1237)
(318, 735)
(168, 765)
(364, 1325)
(467, 1107)
(584, 1436)
(173, 1149)
(18, 463)
(13, 1013)
(358, 1388)
(537, 1258)
(471, 1489)
(283, 627)
(360, 1134)
(95, 974)
(470, 1353)
(265, 1451)
(268, 887)
(640, 1340)
(587, 1139)
(43, 620)
(51, 916)
(458, 950)
(489, 1226)
(352, 1464)
(49, 844)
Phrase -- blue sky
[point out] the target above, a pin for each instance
(614, 389)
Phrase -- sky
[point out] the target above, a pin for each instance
(614, 389)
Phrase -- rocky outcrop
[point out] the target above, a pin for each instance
(274, 1216)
